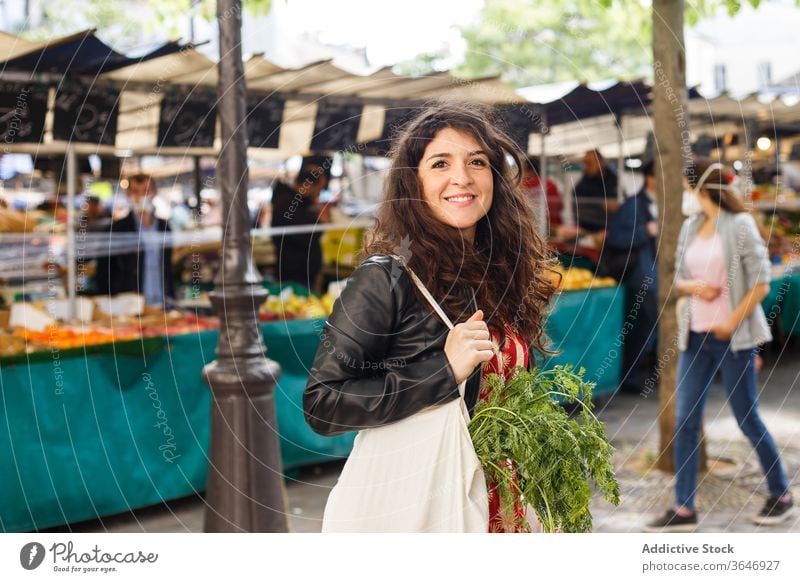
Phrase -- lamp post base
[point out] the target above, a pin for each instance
(245, 490)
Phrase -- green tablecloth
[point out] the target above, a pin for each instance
(293, 345)
(127, 425)
(82, 437)
(782, 304)
(585, 327)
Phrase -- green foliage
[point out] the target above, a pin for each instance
(124, 23)
(424, 64)
(531, 43)
(554, 459)
(110, 17)
(169, 12)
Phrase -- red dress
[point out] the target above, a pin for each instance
(513, 353)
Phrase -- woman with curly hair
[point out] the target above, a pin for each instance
(454, 214)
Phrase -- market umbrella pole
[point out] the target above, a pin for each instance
(72, 173)
(245, 479)
(620, 193)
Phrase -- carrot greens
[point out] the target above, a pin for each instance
(532, 449)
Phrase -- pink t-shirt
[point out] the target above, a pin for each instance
(705, 260)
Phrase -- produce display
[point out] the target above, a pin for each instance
(772, 193)
(288, 305)
(152, 322)
(12, 345)
(165, 324)
(782, 224)
(18, 221)
(130, 321)
(342, 247)
(68, 337)
(53, 334)
(574, 278)
(778, 212)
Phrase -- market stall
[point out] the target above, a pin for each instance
(599, 350)
(782, 304)
(777, 206)
(107, 418)
(89, 432)
(93, 431)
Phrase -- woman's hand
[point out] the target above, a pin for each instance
(706, 291)
(699, 289)
(753, 298)
(723, 331)
(324, 213)
(468, 344)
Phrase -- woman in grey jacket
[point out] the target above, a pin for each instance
(723, 269)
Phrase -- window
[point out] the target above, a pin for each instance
(720, 78)
(764, 74)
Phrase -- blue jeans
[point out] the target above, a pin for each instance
(696, 369)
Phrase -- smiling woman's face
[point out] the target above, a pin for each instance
(456, 180)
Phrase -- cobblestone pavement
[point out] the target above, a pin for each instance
(733, 490)
(729, 494)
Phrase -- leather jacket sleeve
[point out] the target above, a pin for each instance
(357, 381)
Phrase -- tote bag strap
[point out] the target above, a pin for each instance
(421, 286)
(435, 304)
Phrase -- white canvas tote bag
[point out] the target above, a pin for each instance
(419, 474)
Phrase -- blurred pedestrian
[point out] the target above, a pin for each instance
(723, 268)
(629, 255)
(299, 256)
(595, 193)
(145, 265)
(94, 216)
(546, 198)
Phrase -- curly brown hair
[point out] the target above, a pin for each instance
(506, 271)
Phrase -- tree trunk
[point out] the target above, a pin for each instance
(672, 151)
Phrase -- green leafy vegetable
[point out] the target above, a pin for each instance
(554, 459)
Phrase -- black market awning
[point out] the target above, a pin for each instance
(82, 53)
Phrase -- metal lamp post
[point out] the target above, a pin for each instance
(245, 481)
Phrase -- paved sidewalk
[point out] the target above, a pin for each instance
(729, 495)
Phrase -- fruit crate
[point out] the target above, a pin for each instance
(341, 247)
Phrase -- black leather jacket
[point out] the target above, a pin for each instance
(381, 357)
